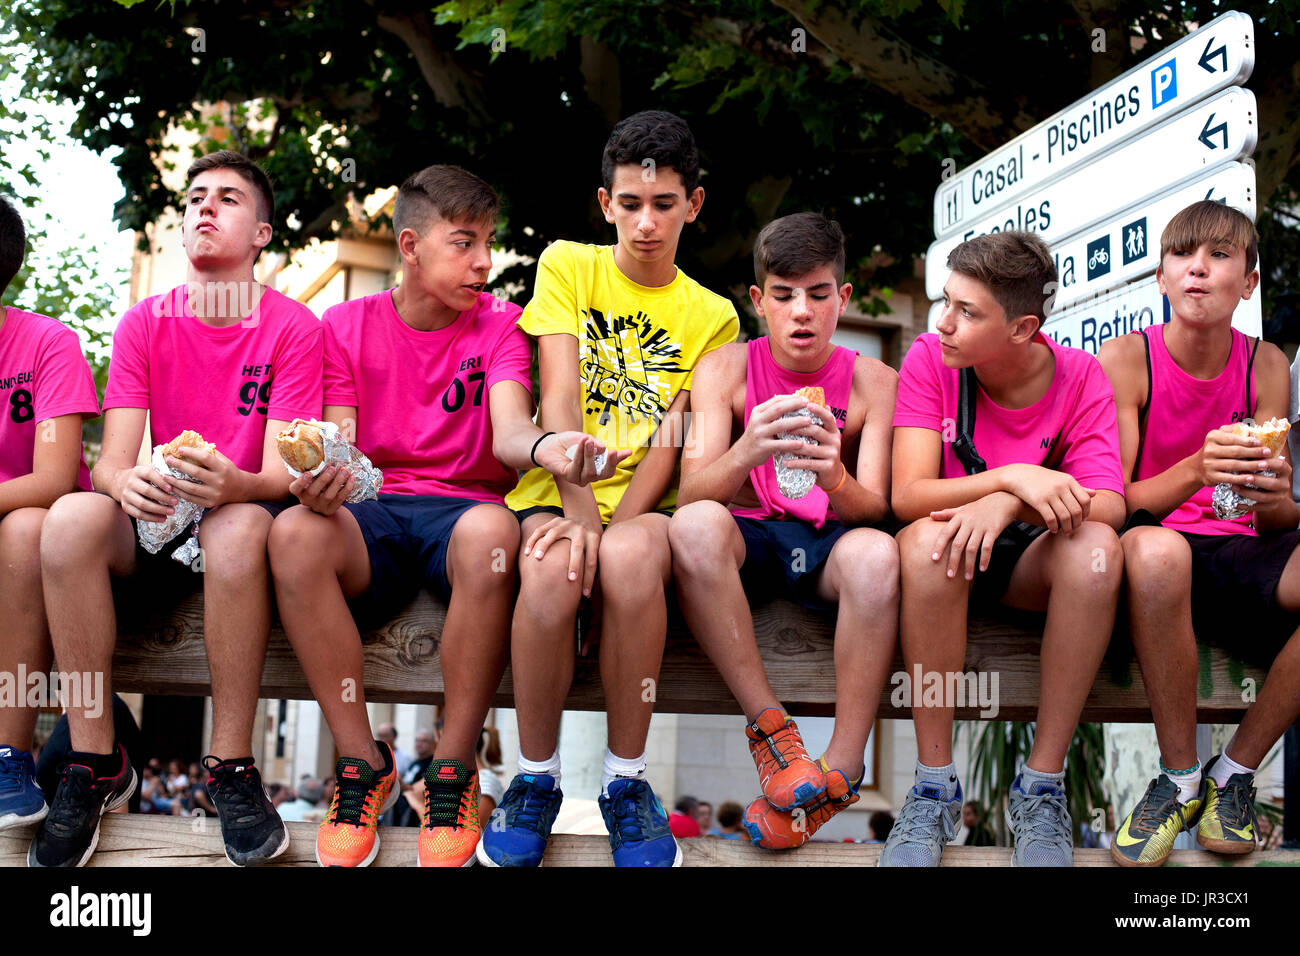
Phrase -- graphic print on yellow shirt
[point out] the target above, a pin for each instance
(637, 348)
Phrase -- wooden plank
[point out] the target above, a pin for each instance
(151, 840)
(164, 654)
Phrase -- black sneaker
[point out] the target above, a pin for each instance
(70, 831)
(251, 829)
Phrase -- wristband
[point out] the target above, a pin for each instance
(844, 473)
(533, 454)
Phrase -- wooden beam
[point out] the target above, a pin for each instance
(163, 653)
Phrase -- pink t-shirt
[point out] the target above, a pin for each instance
(1183, 411)
(1079, 406)
(422, 397)
(42, 375)
(764, 378)
(223, 383)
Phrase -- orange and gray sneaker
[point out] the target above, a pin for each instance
(450, 828)
(775, 829)
(788, 776)
(349, 834)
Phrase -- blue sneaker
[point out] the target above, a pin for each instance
(638, 826)
(519, 827)
(21, 801)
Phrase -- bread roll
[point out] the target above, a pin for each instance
(815, 394)
(187, 439)
(1272, 433)
(301, 445)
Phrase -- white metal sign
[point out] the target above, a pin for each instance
(1220, 54)
(1219, 130)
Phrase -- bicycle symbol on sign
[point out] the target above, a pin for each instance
(1098, 258)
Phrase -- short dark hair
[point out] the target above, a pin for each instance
(229, 159)
(729, 814)
(686, 805)
(443, 192)
(655, 135)
(1210, 221)
(13, 243)
(1017, 268)
(795, 245)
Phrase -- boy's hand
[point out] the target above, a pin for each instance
(822, 458)
(1269, 494)
(144, 494)
(969, 532)
(759, 442)
(326, 492)
(1228, 458)
(220, 479)
(578, 468)
(1062, 502)
(584, 547)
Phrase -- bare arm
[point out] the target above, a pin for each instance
(557, 358)
(712, 468)
(864, 495)
(56, 458)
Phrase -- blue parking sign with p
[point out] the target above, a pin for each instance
(1164, 83)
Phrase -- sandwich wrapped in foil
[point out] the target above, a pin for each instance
(795, 482)
(1226, 501)
(155, 534)
(339, 451)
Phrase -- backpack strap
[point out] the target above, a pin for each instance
(1146, 407)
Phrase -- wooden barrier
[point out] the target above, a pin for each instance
(164, 654)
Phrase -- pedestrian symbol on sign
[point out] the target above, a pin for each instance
(1135, 240)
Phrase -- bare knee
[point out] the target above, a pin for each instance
(485, 541)
(634, 560)
(701, 536)
(234, 543)
(1091, 558)
(20, 544)
(1157, 563)
(77, 533)
(299, 544)
(864, 567)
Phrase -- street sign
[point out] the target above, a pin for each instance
(1220, 54)
(1219, 130)
(1118, 251)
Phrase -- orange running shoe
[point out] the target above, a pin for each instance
(349, 834)
(784, 830)
(788, 776)
(450, 830)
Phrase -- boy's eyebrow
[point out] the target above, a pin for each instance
(657, 196)
(966, 302)
(782, 287)
(221, 191)
(471, 233)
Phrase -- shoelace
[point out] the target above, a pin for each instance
(12, 772)
(1152, 812)
(631, 819)
(70, 801)
(528, 811)
(240, 794)
(442, 805)
(1044, 816)
(1234, 799)
(352, 803)
(778, 746)
(919, 817)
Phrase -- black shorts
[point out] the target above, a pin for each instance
(990, 585)
(785, 559)
(526, 513)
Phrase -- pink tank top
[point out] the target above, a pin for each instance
(1181, 411)
(764, 379)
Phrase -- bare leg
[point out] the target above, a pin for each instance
(1077, 578)
(25, 643)
(707, 553)
(481, 571)
(236, 619)
(318, 563)
(1158, 575)
(862, 575)
(541, 643)
(636, 568)
(85, 538)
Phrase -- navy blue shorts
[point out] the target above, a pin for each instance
(785, 558)
(407, 538)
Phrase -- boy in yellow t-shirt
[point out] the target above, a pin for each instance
(619, 330)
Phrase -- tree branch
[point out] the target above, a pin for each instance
(452, 85)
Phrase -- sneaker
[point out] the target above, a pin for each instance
(1040, 826)
(449, 828)
(926, 824)
(1147, 835)
(250, 827)
(775, 829)
(638, 827)
(70, 831)
(21, 801)
(1228, 817)
(518, 829)
(349, 834)
(788, 776)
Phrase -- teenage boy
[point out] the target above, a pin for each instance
(735, 531)
(1177, 386)
(619, 331)
(234, 361)
(1006, 463)
(46, 388)
(433, 381)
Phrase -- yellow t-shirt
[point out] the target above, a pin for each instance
(637, 348)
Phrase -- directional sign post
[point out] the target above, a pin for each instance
(1221, 129)
(1219, 55)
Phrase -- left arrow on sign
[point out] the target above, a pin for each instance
(1207, 131)
(1207, 56)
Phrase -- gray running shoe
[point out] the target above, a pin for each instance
(1040, 826)
(926, 824)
